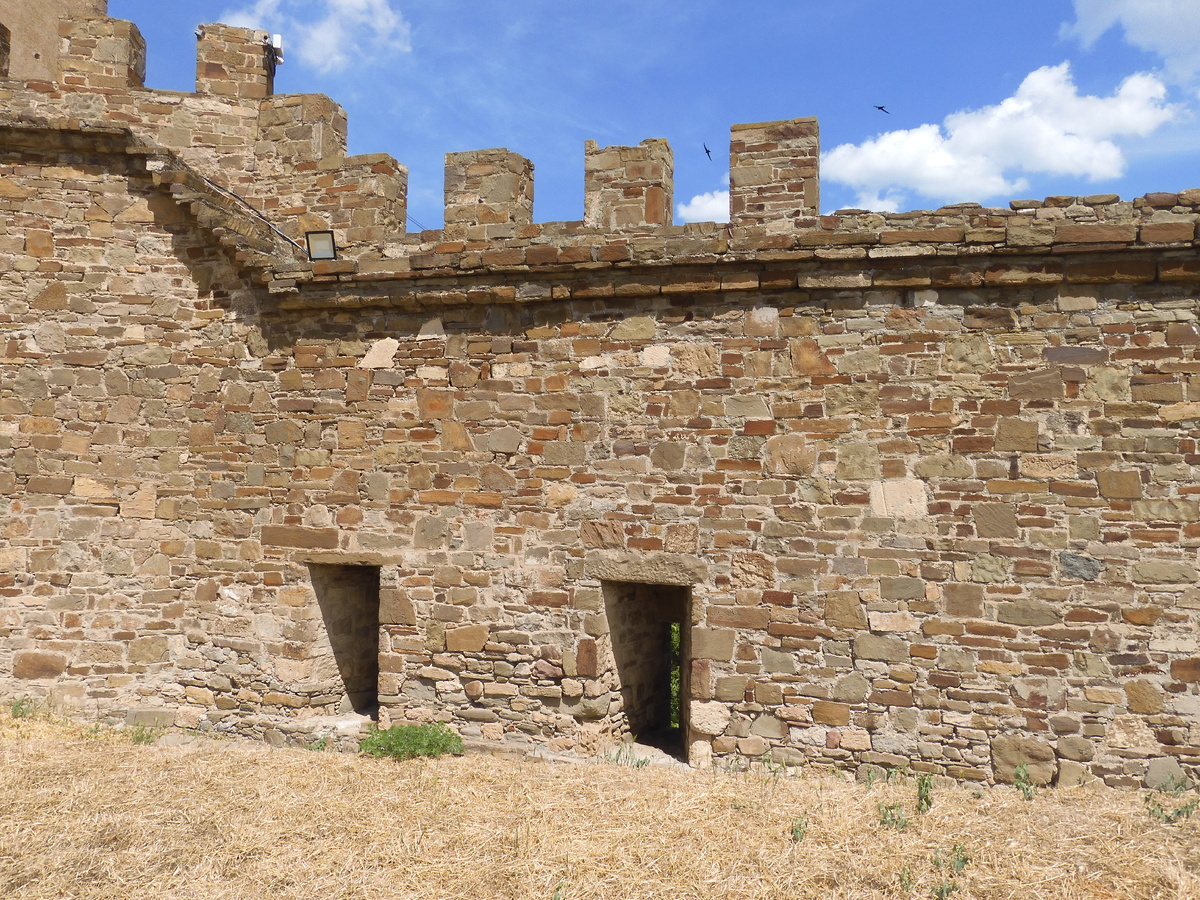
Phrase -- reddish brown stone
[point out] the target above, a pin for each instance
(586, 659)
(35, 664)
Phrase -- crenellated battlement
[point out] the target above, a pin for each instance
(234, 62)
(286, 155)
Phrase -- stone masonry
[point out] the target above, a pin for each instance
(918, 489)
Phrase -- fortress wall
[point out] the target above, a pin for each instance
(941, 529)
(919, 488)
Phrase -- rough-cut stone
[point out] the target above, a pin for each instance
(467, 638)
(995, 520)
(1120, 485)
(1144, 697)
(29, 664)
(1165, 773)
(903, 499)
(845, 610)
(709, 718)
(380, 355)
(1012, 750)
(789, 454)
(1081, 566)
(1163, 571)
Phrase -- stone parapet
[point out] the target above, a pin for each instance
(234, 63)
(774, 175)
(102, 55)
(489, 194)
(628, 188)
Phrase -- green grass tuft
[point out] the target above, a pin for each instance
(411, 742)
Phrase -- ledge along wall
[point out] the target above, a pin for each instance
(920, 488)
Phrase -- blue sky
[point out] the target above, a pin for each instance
(987, 101)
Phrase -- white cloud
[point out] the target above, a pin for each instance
(710, 207)
(1169, 28)
(330, 35)
(1046, 127)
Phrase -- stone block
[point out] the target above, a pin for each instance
(899, 499)
(602, 534)
(34, 664)
(1016, 435)
(151, 649)
(300, 537)
(852, 688)
(1081, 566)
(732, 688)
(587, 660)
(1012, 750)
(962, 600)
(1144, 697)
(1044, 384)
(858, 462)
(1165, 773)
(970, 353)
(636, 328)
(789, 454)
(1028, 613)
(767, 726)
(877, 647)
(777, 662)
(1163, 571)
(1076, 748)
(902, 588)
(844, 609)
(1186, 669)
(825, 712)
(710, 718)
(1119, 485)
(467, 638)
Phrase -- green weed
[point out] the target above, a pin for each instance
(799, 829)
(1023, 783)
(944, 889)
(1169, 816)
(411, 742)
(891, 815)
(144, 734)
(906, 878)
(958, 859)
(22, 708)
(924, 793)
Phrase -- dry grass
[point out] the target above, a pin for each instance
(94, 816)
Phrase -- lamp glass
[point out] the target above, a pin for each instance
(321, 245)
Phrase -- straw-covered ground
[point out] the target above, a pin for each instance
(89, 814)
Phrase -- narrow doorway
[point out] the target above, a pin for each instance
(348, 597)
(648, 626)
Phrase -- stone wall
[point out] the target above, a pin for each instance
(925, 484)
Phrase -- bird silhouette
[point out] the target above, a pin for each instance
(707, 151)
(883, 109)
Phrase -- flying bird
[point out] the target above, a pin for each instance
(709, 152)
(883, 109)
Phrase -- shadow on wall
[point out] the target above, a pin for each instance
(5, 50)
(348, 597)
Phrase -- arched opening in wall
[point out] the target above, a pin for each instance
(649, 627)
(5, 50)
(348, 597)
